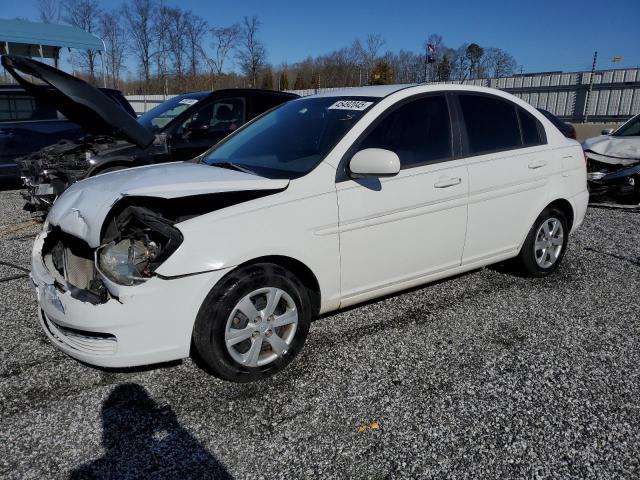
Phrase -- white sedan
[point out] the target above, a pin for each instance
(321, 203)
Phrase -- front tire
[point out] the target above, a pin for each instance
(545, 245)
(253, 323)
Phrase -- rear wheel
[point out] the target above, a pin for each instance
(252, 324)
(545, 245)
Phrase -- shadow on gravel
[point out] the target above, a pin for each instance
(144, 440)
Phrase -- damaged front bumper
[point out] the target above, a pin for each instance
(607, 177)
(130, 326)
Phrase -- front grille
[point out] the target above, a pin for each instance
(93, 343)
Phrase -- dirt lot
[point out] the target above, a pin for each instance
(487, 375)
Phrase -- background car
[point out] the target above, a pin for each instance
(116, 142)
(29, 123)
(566, 128)
(613, 162)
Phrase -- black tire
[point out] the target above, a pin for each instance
(525, 263)
(208, 334)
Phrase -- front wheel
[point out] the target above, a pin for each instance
(253, 323)
(545, 245)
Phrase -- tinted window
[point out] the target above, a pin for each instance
(491, 123)
(225, 115)
(529, 126)
(24, 107)
(293, 139)
(630, 129)
(419, 132)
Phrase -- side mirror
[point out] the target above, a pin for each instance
(607, 131)
(374, 162)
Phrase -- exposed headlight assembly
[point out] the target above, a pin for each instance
(142, 241)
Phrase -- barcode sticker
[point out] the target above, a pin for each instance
(350, 105)
(188, 101)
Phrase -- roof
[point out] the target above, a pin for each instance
(370, 91)
(48, 34)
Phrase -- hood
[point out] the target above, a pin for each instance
(620, 150)
(82, 208)
(81, 103)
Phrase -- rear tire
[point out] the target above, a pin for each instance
(233, 346)
(545, 245)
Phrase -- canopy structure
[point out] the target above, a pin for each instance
(33, 39)
(44, 40)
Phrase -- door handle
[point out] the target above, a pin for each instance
(445, 182)
(537, 164)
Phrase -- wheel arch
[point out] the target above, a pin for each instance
(299, 269)
(565, 206)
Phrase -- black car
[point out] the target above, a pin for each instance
(565, 128)
(116, 140)
(28, 124)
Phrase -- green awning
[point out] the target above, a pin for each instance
(44, 39)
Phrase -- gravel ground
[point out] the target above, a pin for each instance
(485, 375)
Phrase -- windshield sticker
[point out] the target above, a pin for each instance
(350, 105)
(188, 101)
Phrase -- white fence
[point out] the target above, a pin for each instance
(615, 95)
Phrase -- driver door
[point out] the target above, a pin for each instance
(398, 230)
(206, 127)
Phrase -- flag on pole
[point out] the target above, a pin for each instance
(431, 53)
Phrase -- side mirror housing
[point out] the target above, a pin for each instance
(374, 162)
(607, 131)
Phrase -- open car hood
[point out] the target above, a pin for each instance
(82, 209)
(81, 103)
(615, 150)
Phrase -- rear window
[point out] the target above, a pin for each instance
(530, 129)
(16, 107)
(491, 123)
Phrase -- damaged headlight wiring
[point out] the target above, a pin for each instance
(136, 242)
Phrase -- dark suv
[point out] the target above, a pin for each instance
(28, 124)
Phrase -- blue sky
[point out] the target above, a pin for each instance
(541, 34)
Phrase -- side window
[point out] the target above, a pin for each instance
(24, 107)
(419, 132)
(491, 123)
(530, 128)
(222, 116)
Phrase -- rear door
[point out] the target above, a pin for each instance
(508, 174)
(403, 228)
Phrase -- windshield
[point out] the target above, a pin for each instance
(629, 129)
(159, 116)
(292, 140)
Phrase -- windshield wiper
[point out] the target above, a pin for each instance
(231, 166)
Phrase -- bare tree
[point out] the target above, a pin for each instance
(225, 40)
(251, 54)
(114, 36)
(84, 14)
(49, 11)
(497, 63)
(195, 29)
(138, 15)
(177, 41)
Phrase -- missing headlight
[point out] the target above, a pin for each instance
(135, 243)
